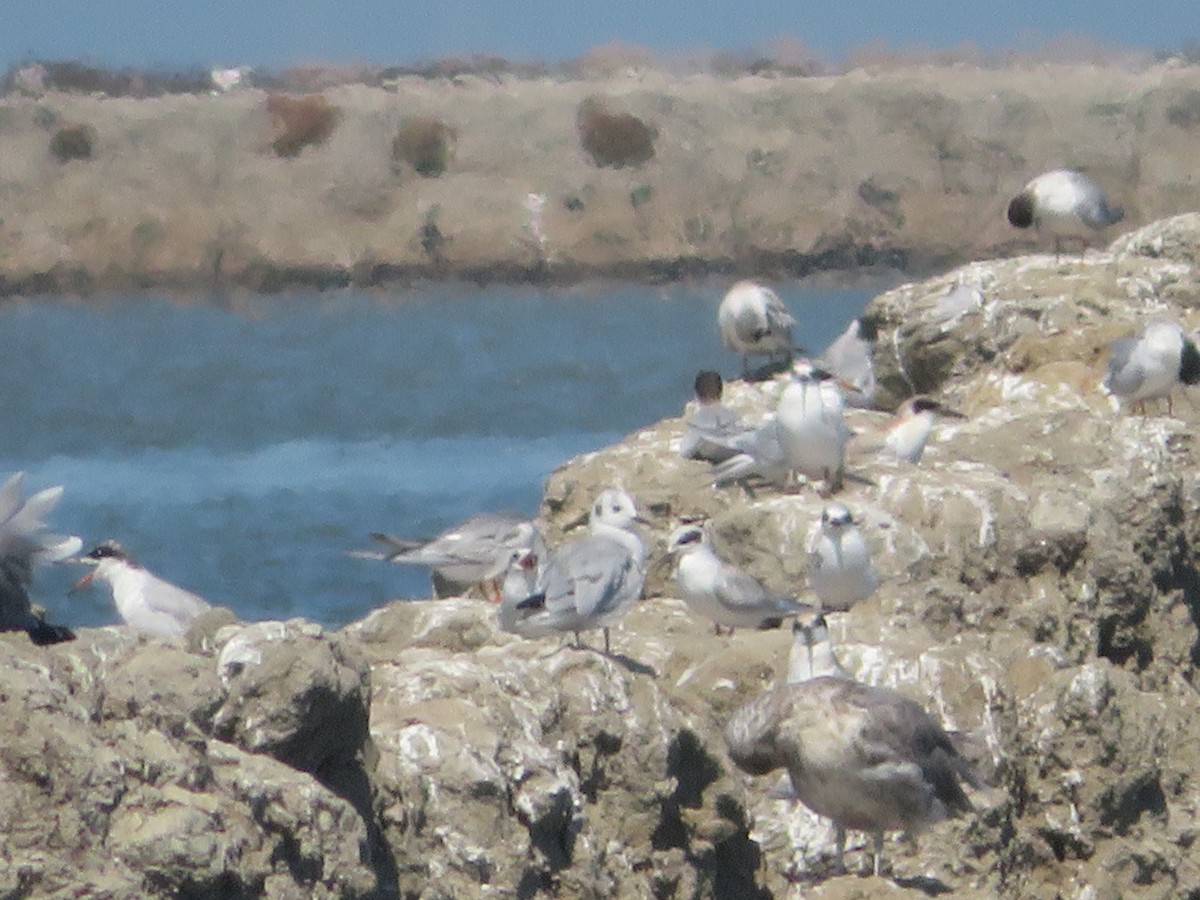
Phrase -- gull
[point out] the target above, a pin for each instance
(849, 359)
(811, 425)
(839, 564)
(868, 758)
(753, 320)
(474, 552)
(1064, 204)
(723, 592)
(144, 601)
(712, 429)
(812, 653)
(24, 544)
(905, 434)
(591, 581)
(1150, 365)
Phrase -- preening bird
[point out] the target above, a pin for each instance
(1064, 205)
(753, 320)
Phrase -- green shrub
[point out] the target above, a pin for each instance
(300, 122)
(73, 141)
(426, 144)
(613, 139)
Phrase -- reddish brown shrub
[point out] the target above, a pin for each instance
(426, 144)
(613, 139)
(73, 141)
(300, 122)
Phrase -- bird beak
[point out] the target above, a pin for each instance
(951, 413)
(82, 582)
(642, 521)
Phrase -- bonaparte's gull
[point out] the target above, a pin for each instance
(592, 581)
(1065, 205)
(23, 545)
(753, 320)
(144, 601)
(1150, 365)
(868, 758)
(712, 427)
(811, 425)
(721, 591)
(475, 552)
(849, 359)
(839, 563)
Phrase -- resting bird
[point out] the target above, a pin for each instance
(905, 434)
(868, 758)
(812, 653)
(723, 592)
(474, 552)
(1150, 365)
(1064, 205)
(712, 427)
(839, 563)
(850, 359)
(24, 544)
(753, 320)
(591, 581)
(144, 601)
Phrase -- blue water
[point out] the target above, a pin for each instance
(240, 453)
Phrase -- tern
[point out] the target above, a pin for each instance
(1150, 365)
(812, 653)
(712, 429)
(839, 563)
(23, 545)
(1065, 205)
(849, 359)
(905, 434)
(592, 581)
(753, 320)
(143, 600)
(811, 425)
(721, 591)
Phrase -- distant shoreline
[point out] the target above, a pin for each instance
(773, 177)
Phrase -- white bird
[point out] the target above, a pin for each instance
(811, 425)
(905, 434)
(24, 544)
(812, 653)
(759, 454)
(1150, 365)
(1065, 205)
(753, 320)
(712, 428)
(723, 592)
(474, 552)
(520, 583)
(868, 758)
(839, 563)
(849, 359)
(144, 601)
(591, 581)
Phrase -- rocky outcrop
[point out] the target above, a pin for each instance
(1039, 596)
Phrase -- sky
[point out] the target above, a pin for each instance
(278, 33)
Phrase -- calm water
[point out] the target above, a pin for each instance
(240, 454)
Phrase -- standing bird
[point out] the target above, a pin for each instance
(592, 581)
(868, 758)
(723, 592)
(474, 552)
(752, 319)
(839, 563)
(1150, 365)
(849, 359)
(905, 434)
(1065, 205)
(811, 425)
(519, 583)
(812, 654)
(144, 601)
(24, 544)
(712, 427)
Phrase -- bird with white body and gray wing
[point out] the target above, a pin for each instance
(753, 320)
(868, 758)
(730, 596)
(850, 358)
(713, 429)
(811, 425)
(812, 653)
(1064, 205)
(23, 545)
(143, 600)
(839, 561)
(591, 581)
(1151, 364)
(905, 434)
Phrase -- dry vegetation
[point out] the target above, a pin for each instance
(73, 141)
(613, 139)
(300, 122)
(424, 143)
